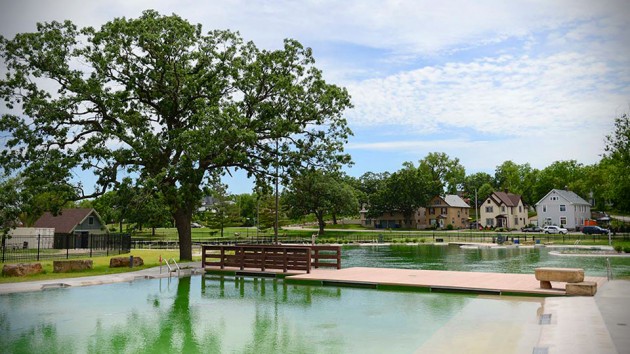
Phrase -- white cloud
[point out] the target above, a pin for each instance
(515, 96)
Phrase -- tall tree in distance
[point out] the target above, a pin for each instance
(405, 191)
(448, 174)
(319, 193)
(156, 98)
(617, 163)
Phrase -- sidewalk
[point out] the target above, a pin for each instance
(156, 272)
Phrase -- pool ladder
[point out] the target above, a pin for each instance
(170, 269)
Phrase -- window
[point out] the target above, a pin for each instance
(431, 211)
(443, 211)
(563, 220)
(437, 202)
(489, 222)
(544, 208)
(515, 220)
(520, 208)
(503, 209)
(563, 207)
(91, 220)
(489, 209)
(488, 201)
(553, 198)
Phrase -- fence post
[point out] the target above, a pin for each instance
(3, 246)
(90, 243)
(107, 244)
(38, 242)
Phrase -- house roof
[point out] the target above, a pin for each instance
(569, 196)
(455, 201)
(66, 221)
(509, 199)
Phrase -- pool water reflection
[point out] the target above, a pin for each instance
(521, 260)
(212, 314)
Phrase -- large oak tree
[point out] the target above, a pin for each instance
(157, 99)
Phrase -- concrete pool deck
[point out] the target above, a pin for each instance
(599, 324)
(437, 280)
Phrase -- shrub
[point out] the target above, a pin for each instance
(618, 248)
(626, 249)
(422, 240)
(449, 227)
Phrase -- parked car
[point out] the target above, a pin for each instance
(552, 229)
(476, 225)
(532, 229)
(589, 230)
(195, 225)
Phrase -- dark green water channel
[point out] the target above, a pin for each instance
(521, 260)
(210, 314)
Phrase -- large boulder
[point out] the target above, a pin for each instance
(21, 269)
(72, 265)
(124, 262)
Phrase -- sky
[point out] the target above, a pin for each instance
(482, 81)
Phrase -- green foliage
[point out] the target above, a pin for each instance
(448, 174)
(157, 98)
(405, 191)
(616, 163)
(319, 193)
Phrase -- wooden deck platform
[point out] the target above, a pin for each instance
(423, 280)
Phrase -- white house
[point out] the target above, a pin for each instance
(563, 208)
(503, 209)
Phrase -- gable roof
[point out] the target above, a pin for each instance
(509, 199)
(455, 201)
(569, 196)
(66, 221)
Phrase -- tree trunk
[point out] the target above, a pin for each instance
(182, 222)
(334, 216)
(321, 222)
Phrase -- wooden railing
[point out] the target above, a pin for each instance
(272, 257)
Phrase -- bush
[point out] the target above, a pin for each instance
(422, 240)
(626, 249)
(449, 227)
(618, 248)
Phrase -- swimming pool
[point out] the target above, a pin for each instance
(214, 314)
(521, 260)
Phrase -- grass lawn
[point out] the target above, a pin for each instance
(101, 266)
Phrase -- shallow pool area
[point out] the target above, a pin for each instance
(520, 260)
(216, 314)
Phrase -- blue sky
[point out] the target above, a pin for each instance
(484, 81)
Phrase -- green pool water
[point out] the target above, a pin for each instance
(522, 260)
(212, 314)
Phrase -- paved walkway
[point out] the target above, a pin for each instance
(156, 272)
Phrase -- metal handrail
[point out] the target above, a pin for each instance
(609, 272)
(170, 269)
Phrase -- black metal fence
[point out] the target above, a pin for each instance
(19, 248)
(386, 237)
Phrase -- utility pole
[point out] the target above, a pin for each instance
(275, 229)
(477, 209)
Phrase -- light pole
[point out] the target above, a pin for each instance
(476, 209)
(275, 229)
